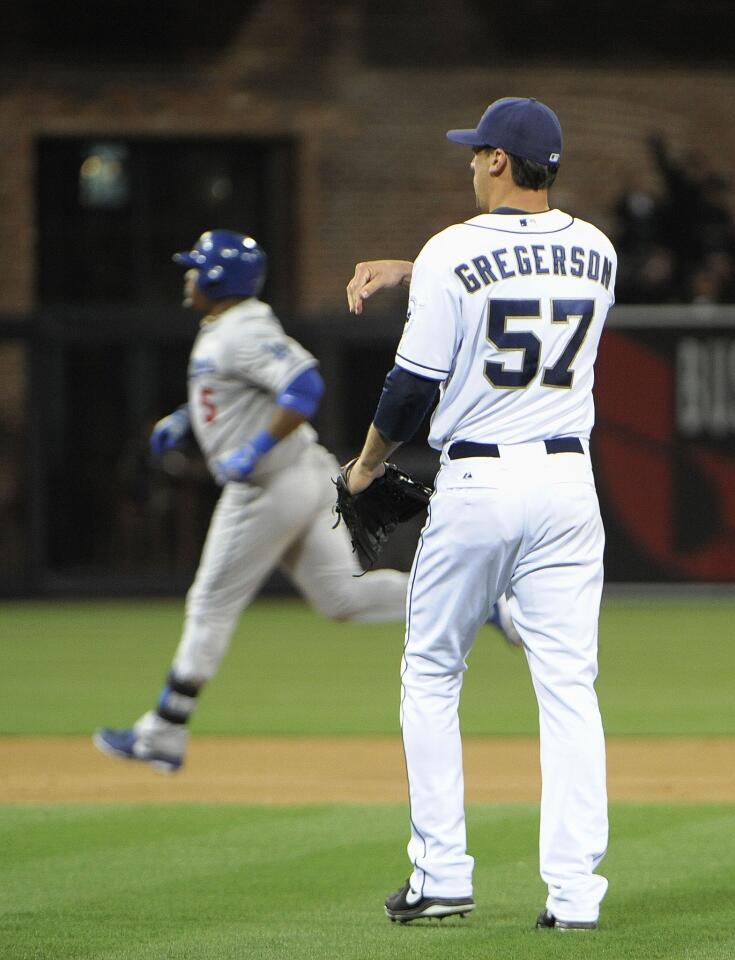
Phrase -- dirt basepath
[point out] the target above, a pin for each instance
(291, 770)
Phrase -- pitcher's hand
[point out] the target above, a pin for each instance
(374, 275)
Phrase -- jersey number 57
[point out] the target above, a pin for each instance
(562, 311)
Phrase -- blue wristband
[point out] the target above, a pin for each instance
(240, 463)
(263, 442)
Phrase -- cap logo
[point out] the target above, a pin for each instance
(553, 158)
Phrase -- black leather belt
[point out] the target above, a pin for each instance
(466, 448)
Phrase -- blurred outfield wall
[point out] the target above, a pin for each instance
(120, 141)
(85, 510)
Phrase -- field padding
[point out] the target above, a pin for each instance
(297, 770)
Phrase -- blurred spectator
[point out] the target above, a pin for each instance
(714, 281)
(678, 247)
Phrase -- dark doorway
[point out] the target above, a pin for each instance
(113, 341)
(111, 212)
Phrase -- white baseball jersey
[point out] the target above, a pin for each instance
(507, 310)
(241, 360)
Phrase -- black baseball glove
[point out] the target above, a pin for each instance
(371, 516)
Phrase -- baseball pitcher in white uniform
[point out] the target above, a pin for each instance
(252, 390)
(505, 316)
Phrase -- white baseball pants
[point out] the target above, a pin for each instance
(286, 520)
(527, 522)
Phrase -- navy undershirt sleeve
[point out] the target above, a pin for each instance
(404, 402)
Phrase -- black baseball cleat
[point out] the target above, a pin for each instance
(547, 921)
(405, 905)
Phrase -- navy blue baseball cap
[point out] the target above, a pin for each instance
(526, 128)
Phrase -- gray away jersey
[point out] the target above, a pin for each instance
(240, 362)
(507, 311)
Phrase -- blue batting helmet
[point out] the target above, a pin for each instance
(228, 264)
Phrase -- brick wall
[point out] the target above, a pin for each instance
(375, 174)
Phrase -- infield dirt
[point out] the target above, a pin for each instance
(294, 770)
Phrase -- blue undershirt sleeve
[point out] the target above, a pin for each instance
(303, 394)
(404, 402)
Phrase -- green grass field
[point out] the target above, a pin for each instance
(225, 882)
(201, 882)
(664, 669)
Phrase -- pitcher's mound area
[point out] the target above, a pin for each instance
(292, 770)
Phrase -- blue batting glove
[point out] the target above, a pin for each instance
(240, 463)
(170, 431)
